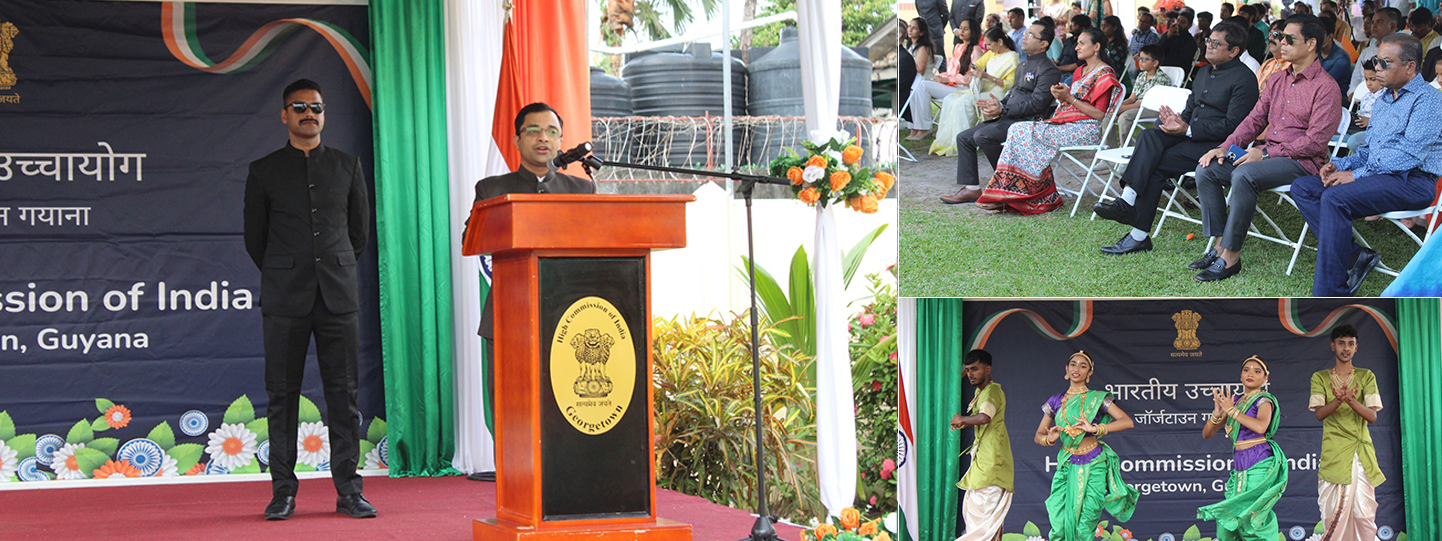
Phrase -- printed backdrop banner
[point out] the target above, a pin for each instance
(1161, 358)
(127, 299)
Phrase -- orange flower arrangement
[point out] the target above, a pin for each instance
(831, 173)
(868, 204)
(881, 537)
(850, 518)
(825, 530)
(113, 468)
(117, 416)
(794, 174)
(868, 528)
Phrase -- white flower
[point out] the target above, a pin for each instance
(1315, 537)
(373, 460)
(813, 173)
(834, 154)
(231, 446)
(64, 462)
(8, 463)
(312, 444)
(167, 467)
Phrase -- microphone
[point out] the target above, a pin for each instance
(569, 156)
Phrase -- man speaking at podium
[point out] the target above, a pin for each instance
(538, 138)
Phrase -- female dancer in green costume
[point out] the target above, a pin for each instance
(1259, 469)
(1088, 476)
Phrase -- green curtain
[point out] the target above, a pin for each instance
(413, 233)
(1420, 381)
(938, 395)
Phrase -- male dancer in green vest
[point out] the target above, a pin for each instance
(988, 483)
(1345, 399)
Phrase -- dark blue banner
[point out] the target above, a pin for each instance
(127, 299)
(1161, 358)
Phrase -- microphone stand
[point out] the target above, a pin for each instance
(762, 530)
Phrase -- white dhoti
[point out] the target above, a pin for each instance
(1349, 512)
(984, 510)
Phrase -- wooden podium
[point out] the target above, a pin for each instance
(573, 393)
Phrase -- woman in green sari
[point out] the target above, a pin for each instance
(1259, 469)
(1088, 477)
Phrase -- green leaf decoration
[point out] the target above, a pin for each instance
(186, 455)
(102, 404)
(1319, 529)
(162, 435)
(1012, 537)
(308, 412)
(240, 412)
(376, 431)
(250, 467)
(261, 428)
(104, 445)
(80, 433)
(7, 426)
(1192, 534)
(301, 466)
(1402, 536)
(99, 424)
(848, 536)
(24, 446)
(365, 447)
(1031, 530)
(89, 460)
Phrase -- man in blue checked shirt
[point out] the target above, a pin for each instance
(1396, 169)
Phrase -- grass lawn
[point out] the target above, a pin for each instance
(959, 250)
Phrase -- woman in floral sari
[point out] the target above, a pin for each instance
(1259, 469)
(1088, 476)
(990, 78)
(1023, 181)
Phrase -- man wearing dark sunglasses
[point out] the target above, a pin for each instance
(1224, 92)
(1385, 22)
(307, 218)
(1299, 112)
(1396, 169)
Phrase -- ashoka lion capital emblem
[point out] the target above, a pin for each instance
(593, 349)
(1186, 321)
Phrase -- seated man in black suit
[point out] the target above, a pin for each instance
(538, 138)
(1174, 146)
(1030, 99)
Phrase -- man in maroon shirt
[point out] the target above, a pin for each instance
(1299, 111)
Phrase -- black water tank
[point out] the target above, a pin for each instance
(690, 84)
(610, 100)
(610, 96)
(775, 84)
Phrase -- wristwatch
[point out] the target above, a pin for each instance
(1265, 154)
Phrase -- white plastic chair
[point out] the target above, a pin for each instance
(1396, 218)
(1070, 153)
(1118, 158)
(1176, 74)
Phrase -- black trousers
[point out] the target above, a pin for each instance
(1157, 158)
(988, 136)
(337, 345)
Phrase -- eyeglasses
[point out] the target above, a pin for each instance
(1280, 37)
(1145, 59)
(535, 131)
(299, 107)
(1215, 43)
(1382, 64)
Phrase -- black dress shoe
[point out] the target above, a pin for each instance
(1219, 270)
(1127, 245)
(1117, 211)
(1205, 261)
(280, 508)
(482, 476)
(1367, 259)
(355, 505)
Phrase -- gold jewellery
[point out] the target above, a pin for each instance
(1078, 451)
(1259, 360)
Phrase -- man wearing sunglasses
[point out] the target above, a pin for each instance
(538, 138)
(1299, 112)
(1224, 92)
(1396, 169)
(307, 218)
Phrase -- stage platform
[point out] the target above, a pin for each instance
(409, 508)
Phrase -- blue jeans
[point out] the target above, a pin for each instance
(1330, 211)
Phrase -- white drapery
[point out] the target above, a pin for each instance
(906, 364)
(474, 32)
(820, 24)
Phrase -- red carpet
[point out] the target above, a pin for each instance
(409, 508)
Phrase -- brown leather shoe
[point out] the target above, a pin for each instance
(966, 194)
